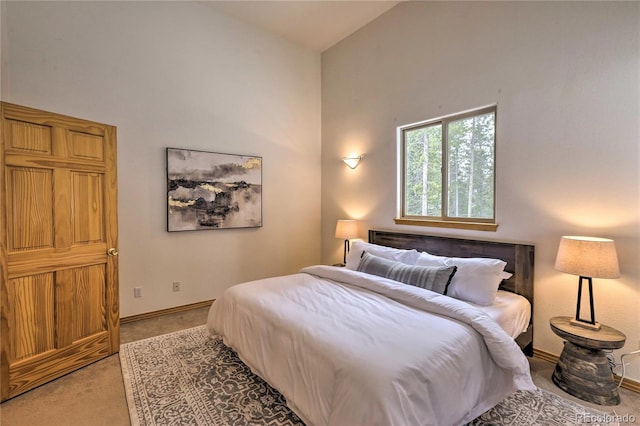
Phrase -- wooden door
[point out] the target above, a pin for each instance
(58, 237)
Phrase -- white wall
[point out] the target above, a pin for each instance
(179, 74)
(565, 76)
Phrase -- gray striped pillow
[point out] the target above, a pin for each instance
(434, 278)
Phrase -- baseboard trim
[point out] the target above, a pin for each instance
(546, 356)
(161, 312)
(628, 384)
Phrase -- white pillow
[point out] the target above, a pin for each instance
(407, 257)
(477, 279)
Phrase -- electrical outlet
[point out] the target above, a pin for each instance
(176, 286)
(137, 292)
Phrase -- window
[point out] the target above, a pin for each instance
(448, 171)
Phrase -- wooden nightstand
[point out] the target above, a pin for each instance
(583, 369)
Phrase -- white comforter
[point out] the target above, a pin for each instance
(348, 348)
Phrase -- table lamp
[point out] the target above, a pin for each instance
(587, 257)
(347, 230)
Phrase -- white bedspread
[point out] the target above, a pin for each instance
(348, 348)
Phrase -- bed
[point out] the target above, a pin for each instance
(519, 259)
(347, 347)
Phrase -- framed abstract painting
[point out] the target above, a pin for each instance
(210, 190)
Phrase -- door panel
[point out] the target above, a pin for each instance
(87, 146)
(59, 293)
(31, 300)
(29, 137)
(89, 316)
(87, 201)
(31, 207)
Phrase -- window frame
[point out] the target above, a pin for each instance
(444, 220)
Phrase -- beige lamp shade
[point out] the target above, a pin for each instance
(588, 257)
(347, 229)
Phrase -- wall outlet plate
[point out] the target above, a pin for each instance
(137, 292)
(176, 286)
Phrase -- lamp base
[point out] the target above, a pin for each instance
(584, 324)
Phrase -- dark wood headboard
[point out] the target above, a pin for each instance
(519, 258)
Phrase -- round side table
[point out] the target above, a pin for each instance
(583, 368)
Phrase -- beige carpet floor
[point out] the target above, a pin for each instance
(95, 395)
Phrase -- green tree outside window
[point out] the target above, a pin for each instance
(449, 168)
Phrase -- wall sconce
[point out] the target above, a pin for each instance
(588, 258)
(352, 160)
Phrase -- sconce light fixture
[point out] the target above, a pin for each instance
(588, 258)
(352, 160)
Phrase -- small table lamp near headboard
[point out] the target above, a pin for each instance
(587, 257)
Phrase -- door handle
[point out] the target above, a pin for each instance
(112, 252)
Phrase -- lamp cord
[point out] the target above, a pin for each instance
(624, 367)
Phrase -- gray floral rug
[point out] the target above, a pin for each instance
(189, 378)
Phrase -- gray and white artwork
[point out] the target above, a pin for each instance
(208, 190)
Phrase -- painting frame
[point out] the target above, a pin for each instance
(212, 190)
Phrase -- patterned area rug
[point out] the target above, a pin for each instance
(189, 378)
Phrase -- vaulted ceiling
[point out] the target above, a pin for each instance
(315, 24)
